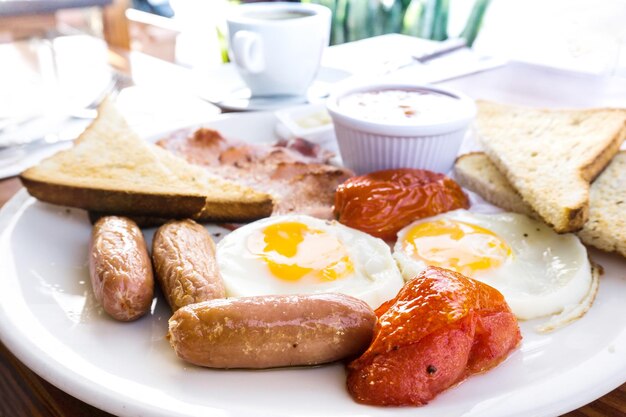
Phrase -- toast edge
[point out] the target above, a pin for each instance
(576, 216)
(146, 204)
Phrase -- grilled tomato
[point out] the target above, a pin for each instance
(383, 202)
(441, 328)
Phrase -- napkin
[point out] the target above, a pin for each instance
(390, 58)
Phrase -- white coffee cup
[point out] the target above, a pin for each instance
(277, 47)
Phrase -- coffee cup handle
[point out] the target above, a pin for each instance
(248, 51)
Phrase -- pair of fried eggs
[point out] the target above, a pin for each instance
(539, 272)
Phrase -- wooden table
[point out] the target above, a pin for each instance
(24, 394)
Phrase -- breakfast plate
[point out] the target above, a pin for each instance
(50, 320)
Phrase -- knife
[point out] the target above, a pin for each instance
(444, 48)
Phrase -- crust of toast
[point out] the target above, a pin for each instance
(596, 165)
(477, 173)
(569, 154)
(146, 204)
(110, 169)
(606, 227)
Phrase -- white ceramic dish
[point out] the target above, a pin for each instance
(277, 46)
(309, 121)
(368, 145)
(224, 87)
(49, 319)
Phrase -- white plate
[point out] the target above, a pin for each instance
(49, 319)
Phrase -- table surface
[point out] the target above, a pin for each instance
(23, 393)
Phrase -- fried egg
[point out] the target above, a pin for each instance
(539, 272)
(300, 254)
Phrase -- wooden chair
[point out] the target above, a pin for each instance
(115, 24)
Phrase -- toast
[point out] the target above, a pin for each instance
(111, 169)
(606, 227)
(551, 156)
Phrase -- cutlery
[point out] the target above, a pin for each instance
(444, 48)
(440, 50)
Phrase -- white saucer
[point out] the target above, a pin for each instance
(225, 88)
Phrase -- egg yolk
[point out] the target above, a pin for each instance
(462, 247)
(293, 251)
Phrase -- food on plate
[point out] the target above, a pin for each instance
(183, 253)
(112, 170)
(383, 202)
(142, 221)
(551, 156)
(296, 173)
(477, 173)
(399, 106)
(539, 272)
(272, 331)
(300, 254)
(606, 227)
(120, 268)
(440, 329)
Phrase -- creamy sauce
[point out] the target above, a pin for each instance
(314, 120)
(398, 106)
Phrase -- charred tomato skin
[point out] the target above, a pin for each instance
(383, 202)
(441, 328)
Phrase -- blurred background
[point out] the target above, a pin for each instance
(583, 35)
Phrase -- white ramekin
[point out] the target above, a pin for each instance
(290, 120)
(367, 146)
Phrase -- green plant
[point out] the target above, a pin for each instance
(472, 27)
(359, 19)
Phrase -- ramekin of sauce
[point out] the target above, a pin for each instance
(385, 126)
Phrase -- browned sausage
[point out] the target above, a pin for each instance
(183, 253)
(271, 331)
(120, 269)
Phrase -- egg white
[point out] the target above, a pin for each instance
(546, 274)
(375, 278)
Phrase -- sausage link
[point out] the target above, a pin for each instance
(183, 254)
(120, 268)
(272, 331)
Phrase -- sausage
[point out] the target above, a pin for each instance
(183, 254)
(272, 331)
(120, 268)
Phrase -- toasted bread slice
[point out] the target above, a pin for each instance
(477, 173)
(606, 227)
(551, 156)
(111, 169)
